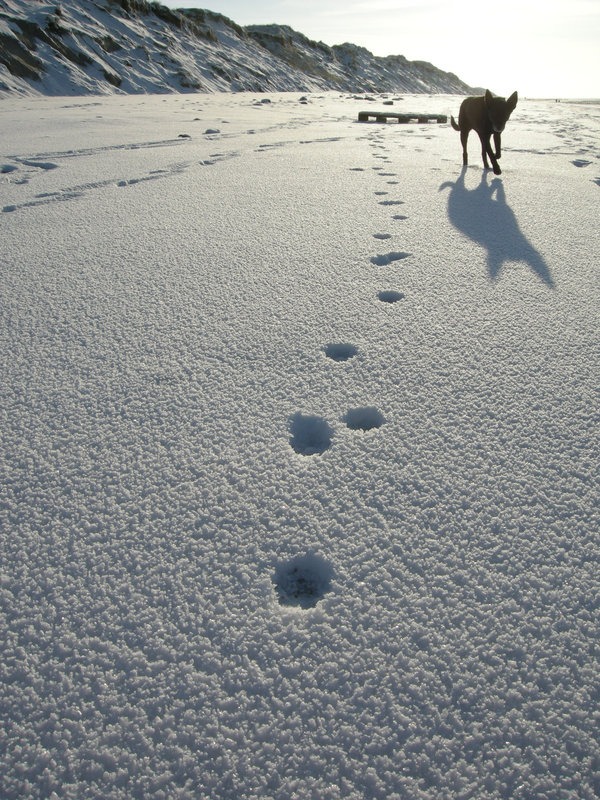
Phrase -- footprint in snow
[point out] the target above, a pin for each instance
(391, 202)
(363, 419)
(385, 259)
(310, 435)
(399, 216)
(581, 162)
(303, 580)
(382, 236)
(46, 165)
(340, 351)
(390, 296)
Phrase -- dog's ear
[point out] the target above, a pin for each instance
(488, 96)
(512, 101)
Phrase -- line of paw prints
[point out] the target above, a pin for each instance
(302, 581)
(312, 435)
(385, 259)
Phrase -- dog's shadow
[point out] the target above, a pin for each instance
(484, 216)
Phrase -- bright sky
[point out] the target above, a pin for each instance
(541, 48)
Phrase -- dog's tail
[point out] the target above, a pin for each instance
(454, 124)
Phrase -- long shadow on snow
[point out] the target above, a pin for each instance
(489, 221)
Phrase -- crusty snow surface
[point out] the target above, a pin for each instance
(299, 451)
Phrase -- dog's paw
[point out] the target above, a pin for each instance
(497, 170)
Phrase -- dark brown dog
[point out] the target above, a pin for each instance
(487, 115)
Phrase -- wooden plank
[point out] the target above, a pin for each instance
(383, 116)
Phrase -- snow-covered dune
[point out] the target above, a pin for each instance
(83, 47)
(299, 452)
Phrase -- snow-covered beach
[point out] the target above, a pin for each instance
(299, 450)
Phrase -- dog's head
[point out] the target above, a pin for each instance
(499, 109)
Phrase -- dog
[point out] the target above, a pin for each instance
(487, 115)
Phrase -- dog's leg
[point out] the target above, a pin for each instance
(485, 149)
(493, 159)
(497, 145)
(464, 135)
